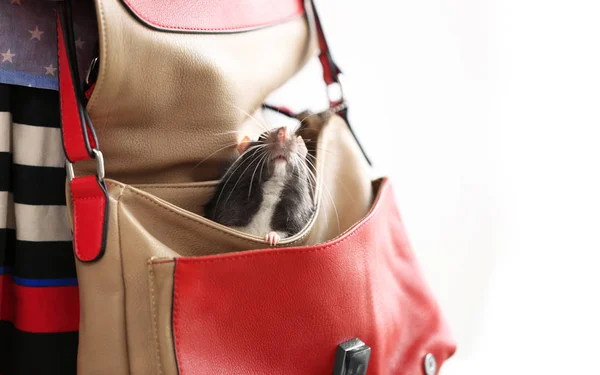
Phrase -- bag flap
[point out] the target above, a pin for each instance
(215, 16)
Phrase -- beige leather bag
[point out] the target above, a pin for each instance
(164, 100)
(177, 80)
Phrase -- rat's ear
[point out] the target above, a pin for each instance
(243, 145)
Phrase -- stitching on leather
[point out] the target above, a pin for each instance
(243, 27)
(174, 187)
(196, 221)
(75, 226)
(154, 316)
(204, 224)
(176, 320)
(118, 225)
(75, 219)
(105, 62)
(117, 186)
(358, 228)
(87, 198)
(162, 261)
(110, 183)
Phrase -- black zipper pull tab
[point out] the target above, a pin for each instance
(352, 358)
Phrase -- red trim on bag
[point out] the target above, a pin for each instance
(89, 218)
(214, 15)
(39, 309)
(293, 306)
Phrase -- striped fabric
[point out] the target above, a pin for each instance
(39, 300)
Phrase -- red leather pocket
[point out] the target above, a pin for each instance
(284, 311)
(213, 15)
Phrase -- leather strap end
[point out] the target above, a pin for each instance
(90, 214)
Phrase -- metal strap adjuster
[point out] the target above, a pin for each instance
(99, 166)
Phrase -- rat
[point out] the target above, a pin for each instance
(268, 190)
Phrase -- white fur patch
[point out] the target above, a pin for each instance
(261, 223)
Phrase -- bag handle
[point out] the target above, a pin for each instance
(89, 195)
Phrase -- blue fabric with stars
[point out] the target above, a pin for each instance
(28, 41)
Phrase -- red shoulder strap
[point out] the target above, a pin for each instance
(89, 196)
(331, 71)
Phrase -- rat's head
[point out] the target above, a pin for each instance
(281, 148)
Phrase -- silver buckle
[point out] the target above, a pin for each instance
(99, 166)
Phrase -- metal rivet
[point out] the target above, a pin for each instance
(430, 364)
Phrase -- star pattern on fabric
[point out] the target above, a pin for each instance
(79, 43)
(36, 33)
(26, 26)
(50, 70)
(7, 56)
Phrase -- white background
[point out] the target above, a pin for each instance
(485, 113)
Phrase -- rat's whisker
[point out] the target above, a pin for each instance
(313, 157)
(298, 127)
(264, 126)
(229, 132)
(311, 175)
(310, 129)
(243, 160)
(263, 164)
(341, 183)
(255, 158)
(322, 150)
(219, 150)
(330, 197)
(310, 115)
(317, 195)
(256, 147)
(252, 178)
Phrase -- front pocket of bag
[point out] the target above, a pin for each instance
(284, 311)
(172, 214)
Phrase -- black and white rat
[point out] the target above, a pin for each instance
(268, 190)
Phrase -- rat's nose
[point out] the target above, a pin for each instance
(282, 134)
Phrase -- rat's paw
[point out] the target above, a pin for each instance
(273, 238)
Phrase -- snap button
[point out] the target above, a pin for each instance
(430, 364)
